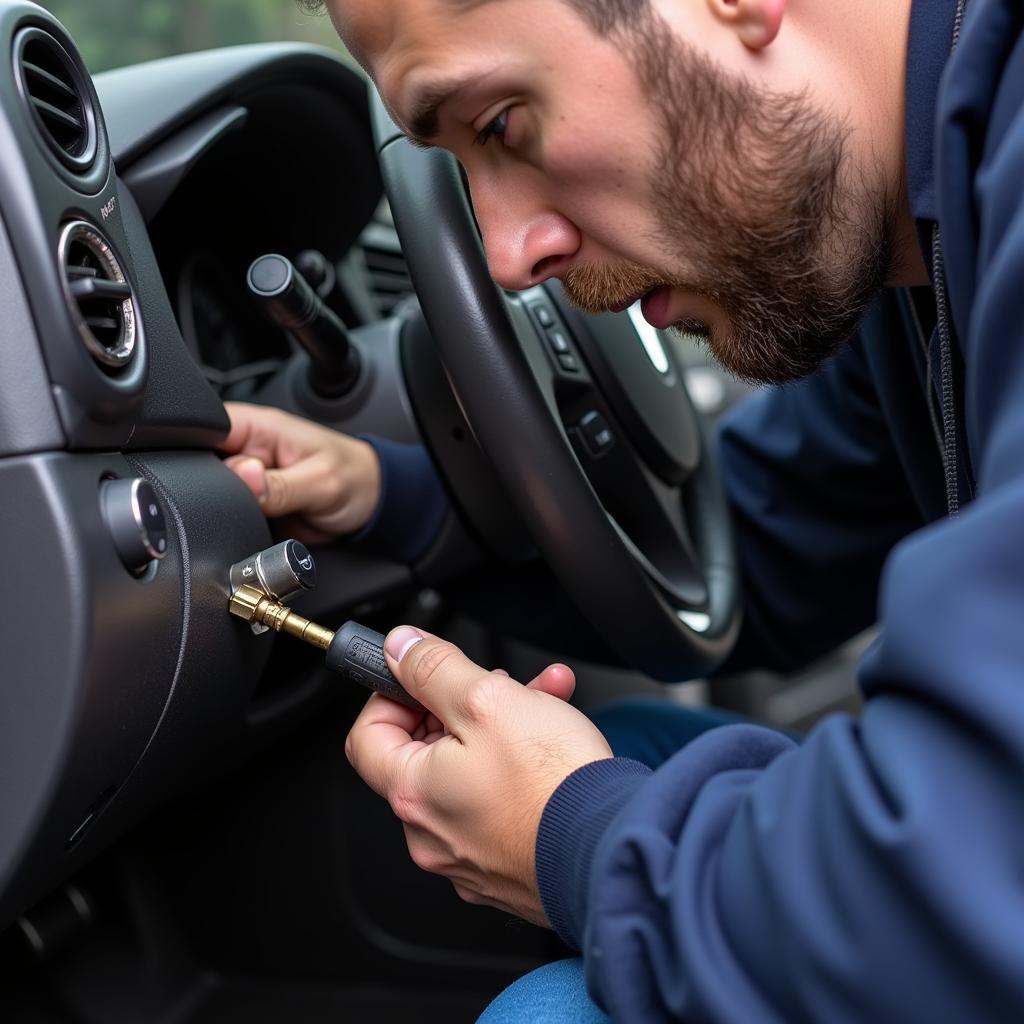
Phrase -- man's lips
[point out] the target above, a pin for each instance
(621, 307)
(655, 303)
(656, 307)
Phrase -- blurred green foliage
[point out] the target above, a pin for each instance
(111, 33)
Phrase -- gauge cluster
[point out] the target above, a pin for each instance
(295, 175)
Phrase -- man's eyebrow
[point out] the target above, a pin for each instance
(428, 99)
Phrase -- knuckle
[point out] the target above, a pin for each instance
(267, 424)
(277, 491)
(425, 858)
(405, 805)
(479, 699)
(334, 487)
(431, 659)
(467, 895)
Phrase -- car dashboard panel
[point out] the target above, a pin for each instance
(121, 684)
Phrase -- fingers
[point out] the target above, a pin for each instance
(558, 680)
(275, 437)
(381, 740)
(256, 430)
(441, 677)
(308, 486)
(294, 467)
(250, 471)
(430, 730)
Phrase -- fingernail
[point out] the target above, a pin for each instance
(400, 640)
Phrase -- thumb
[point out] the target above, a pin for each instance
(304, 487)
(250, 471)
(278, 493)
(558, 680)
(440, 676)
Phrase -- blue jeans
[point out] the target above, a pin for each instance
(650, 731)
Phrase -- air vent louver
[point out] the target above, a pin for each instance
(386, 271)
(54, 90)
(98, 295)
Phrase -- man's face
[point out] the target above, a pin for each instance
(632, 164)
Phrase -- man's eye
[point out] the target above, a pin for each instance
(493, 129)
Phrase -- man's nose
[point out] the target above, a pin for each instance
(525, 243)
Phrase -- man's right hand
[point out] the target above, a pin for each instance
(323, 483)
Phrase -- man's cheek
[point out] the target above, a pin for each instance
(613, 216)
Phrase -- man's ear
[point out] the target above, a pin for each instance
(756, 22)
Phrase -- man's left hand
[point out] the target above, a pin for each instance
(470, 778)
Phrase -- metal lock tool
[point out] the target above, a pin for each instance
(285, 569)
(259, 585)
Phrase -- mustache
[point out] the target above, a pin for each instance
(596, 288)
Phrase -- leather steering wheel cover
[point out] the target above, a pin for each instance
(490, 372)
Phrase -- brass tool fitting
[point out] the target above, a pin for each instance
(254, 606)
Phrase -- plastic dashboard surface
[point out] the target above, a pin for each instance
(118, 689)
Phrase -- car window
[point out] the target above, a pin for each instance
(112, 33)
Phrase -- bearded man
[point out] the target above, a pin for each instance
(814, 188)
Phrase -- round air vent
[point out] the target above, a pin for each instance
(98, 294)
(59, 102)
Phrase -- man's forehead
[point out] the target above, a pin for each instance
(365, 28)
(372, 29)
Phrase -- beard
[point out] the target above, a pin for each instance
(754, 195)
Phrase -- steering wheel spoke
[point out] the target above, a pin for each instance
(647, 511)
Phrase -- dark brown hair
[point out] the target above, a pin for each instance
(603, 16)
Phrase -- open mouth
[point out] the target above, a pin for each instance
(656, 306)
(621, 307)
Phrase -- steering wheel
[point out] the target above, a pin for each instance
(588, 424)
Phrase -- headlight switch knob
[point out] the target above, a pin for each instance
(135, 519)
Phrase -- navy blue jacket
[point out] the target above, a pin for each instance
(876, 872)
(412, 506)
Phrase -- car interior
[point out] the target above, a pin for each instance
(181, 836)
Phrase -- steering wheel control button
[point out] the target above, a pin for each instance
(597, 435)
(543, 315)
(278, 572)
(135, 519)
(558, 341)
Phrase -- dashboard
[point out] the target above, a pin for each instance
(130, 207)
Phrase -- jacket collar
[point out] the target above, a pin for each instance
(928, 49)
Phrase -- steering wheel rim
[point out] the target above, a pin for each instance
(480, 334)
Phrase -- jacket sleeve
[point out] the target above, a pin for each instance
(875, 872)
(871, 874)
(412, 507)
(818, 497)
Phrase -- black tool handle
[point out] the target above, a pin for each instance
(358, 654)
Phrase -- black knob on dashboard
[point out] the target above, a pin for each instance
(135, 519)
